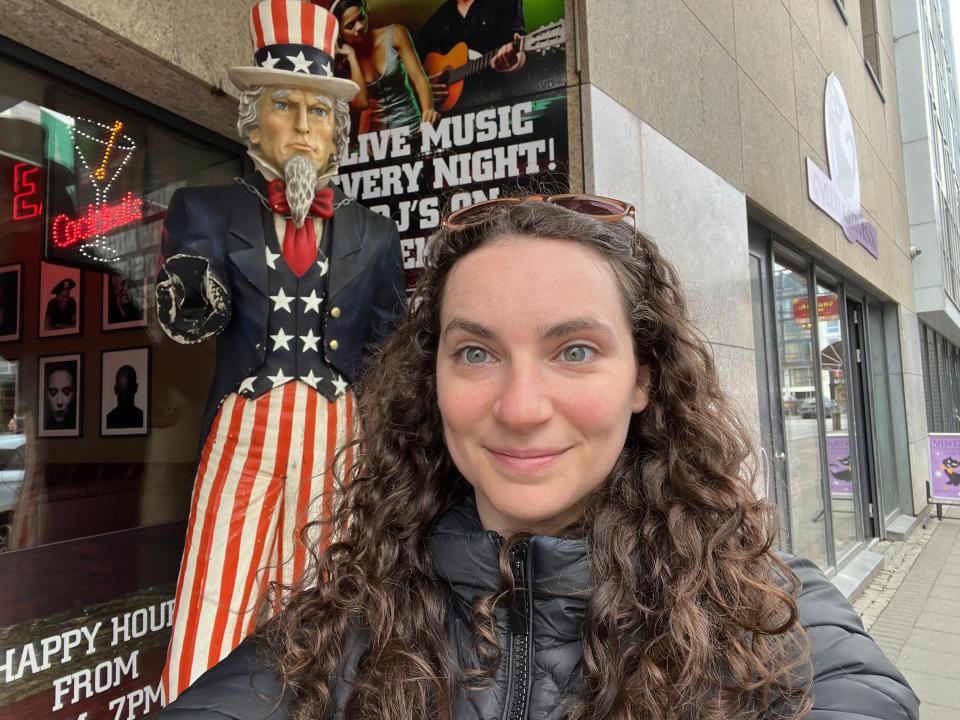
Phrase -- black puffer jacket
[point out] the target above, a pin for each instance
(852, 679)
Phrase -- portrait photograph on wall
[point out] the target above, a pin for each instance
(125, 392)
(124, 303)
(60, 296)
(61, 381)
(11, 277)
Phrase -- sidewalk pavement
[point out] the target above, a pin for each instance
(912, 610)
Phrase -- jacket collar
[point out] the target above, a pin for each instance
(467, 557)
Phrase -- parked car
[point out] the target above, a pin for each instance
(808, 408)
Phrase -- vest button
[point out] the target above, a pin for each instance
(334, 344)
(335, 312)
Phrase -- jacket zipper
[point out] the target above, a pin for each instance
(518, 685)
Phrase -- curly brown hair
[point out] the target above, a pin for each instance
(689, 617)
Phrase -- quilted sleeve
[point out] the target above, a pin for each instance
(852, 678)
(239, 687)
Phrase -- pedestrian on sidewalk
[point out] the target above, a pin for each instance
(549, 517)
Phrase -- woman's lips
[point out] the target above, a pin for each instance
(526, 461)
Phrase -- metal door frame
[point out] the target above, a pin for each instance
(769, 390)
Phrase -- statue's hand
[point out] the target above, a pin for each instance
(191, 304)
(189, 277)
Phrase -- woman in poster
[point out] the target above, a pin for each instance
(554, 516)
(394, 90)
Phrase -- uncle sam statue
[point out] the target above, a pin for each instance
(298, 283)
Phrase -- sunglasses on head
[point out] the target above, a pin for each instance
(593, 206)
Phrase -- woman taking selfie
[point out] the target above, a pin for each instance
(552, 514)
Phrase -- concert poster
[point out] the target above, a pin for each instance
(497, 132)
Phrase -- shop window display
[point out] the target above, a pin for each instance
(98, 419)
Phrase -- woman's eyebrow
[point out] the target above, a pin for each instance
(575, 325)
(560, 330)
(469, 326)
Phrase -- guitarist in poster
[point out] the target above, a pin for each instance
(484, 26)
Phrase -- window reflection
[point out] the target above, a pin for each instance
(12, 447)
(801, 440)
(836, 439)
(84, 186)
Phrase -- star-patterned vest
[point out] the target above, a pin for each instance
(295, 325)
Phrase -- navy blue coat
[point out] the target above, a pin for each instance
(227, 225)
(851, 677)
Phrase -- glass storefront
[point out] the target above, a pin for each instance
(835, 431)
(823, 376)
(799, 413)
(99, 410)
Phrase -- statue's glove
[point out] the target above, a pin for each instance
(192, 304)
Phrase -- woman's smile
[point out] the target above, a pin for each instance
(531, 461)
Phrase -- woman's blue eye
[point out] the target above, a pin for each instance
(280, 105)
(577, 353)
(320, 112)
(474, 355)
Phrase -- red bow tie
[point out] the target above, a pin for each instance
(299, 243)
(322, 205)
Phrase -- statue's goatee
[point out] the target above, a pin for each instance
(300, 175)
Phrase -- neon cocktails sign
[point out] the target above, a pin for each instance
(97, 221)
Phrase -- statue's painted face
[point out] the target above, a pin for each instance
(294, 121)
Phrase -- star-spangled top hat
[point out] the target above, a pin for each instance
(293, 44)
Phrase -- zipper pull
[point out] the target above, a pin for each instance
(519, 609)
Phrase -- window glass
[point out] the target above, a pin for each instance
(836, 436)
(871, 38)
(93, 502)
(801, 439)
(84, 186)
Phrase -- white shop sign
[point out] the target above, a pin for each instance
(838, 194)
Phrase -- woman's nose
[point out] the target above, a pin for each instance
(524, 401)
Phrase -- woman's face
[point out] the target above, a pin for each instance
(60, 392)
(353, 25)
(536, 379)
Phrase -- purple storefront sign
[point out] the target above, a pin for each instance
(839, 465)
(945, 466)
(825, 195)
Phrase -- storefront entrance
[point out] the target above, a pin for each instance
(99, 410)
(822, 373)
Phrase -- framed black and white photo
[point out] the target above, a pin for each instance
(60, 403)
(125, 392)
(124, 303)
(60, 300)
(11, 309)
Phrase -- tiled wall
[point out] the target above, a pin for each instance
(698, 219)
(917, 438)
(739, 85)
(172, 54)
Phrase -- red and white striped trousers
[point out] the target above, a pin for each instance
(263, 464)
